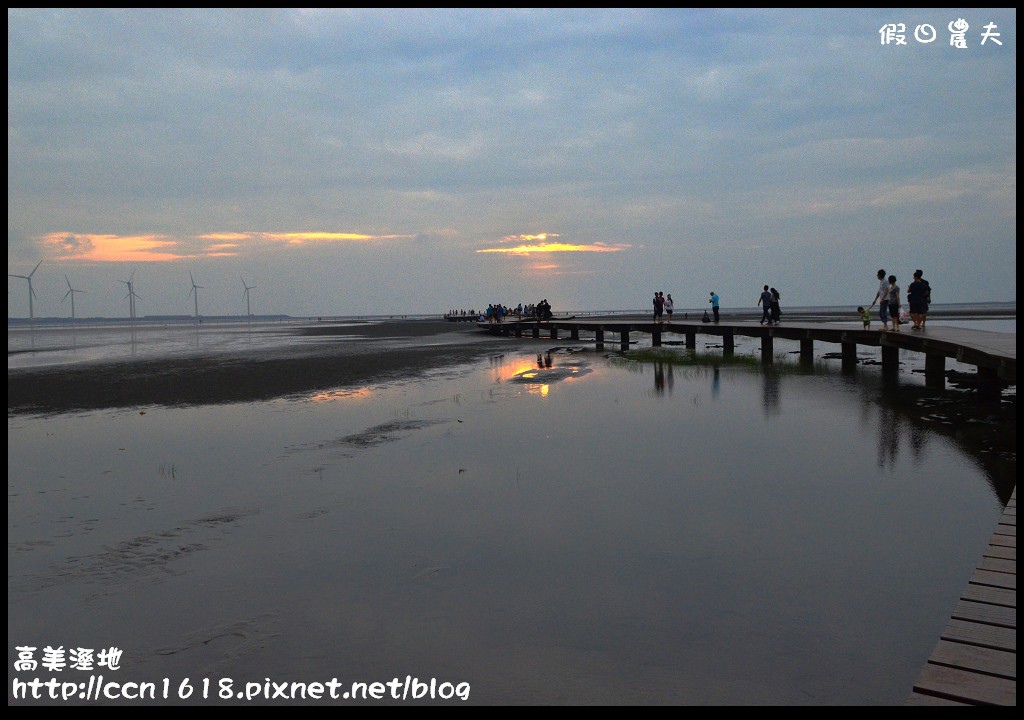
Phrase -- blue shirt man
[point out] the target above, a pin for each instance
(714, 304)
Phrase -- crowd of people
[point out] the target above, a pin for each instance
(888, 298)
(498, 312)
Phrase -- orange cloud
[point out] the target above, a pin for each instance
(159, 248)
(112, 248)
(297, 238)
(228, 236)
(555, 247)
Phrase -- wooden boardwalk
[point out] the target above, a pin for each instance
(994, 354)
(975, 660)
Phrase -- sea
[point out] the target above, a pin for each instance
(553, 524)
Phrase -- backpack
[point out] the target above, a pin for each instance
(705, 318)
(927, 293)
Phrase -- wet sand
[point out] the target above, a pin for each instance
(260, 374)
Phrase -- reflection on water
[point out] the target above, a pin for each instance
(584, 530)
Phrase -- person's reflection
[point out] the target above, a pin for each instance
(770, 392)
(659, 378)
(670, 378)
(918, 440)
(889, 434)
(716, 382)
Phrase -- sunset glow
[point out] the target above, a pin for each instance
(555, 247)
(297, 238)
(113, 248)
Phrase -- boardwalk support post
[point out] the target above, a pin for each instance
(849, 352)
(935, 371)
(890, 357)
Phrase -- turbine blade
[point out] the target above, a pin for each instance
(35, 268)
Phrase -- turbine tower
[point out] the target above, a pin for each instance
(131, 295)
(71, 292)
(248, 310)
(195, 291)
(31, 292)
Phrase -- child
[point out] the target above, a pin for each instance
(865, 315)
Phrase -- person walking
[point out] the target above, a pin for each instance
(659, 306)
(765, 301)
(919, 294)
(776, 308)
(894, 303)
(670, 305)
(882, 298)
(714, 304)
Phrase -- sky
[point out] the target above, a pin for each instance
(378, 162)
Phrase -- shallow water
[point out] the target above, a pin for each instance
(597, 531)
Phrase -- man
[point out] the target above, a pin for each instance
(714, 304)
(765, 301)
(882, 298)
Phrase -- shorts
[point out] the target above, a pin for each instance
(883, 311)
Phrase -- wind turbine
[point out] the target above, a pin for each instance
(71, 291)
(31, 292)
(248, 311)
(131, 294)
(195, 291)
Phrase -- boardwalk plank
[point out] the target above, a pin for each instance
(985, 614)
(1001, 551)
(998, 565)
(990, 595)
(921, 700)
(970, 657)
(990, 636)
(995, 579)
(967, 686)
(1003, 540)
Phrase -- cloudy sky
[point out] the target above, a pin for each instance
(351, 162)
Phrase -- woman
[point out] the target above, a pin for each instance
(894, 303)
(918, 295)
(776, 309)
